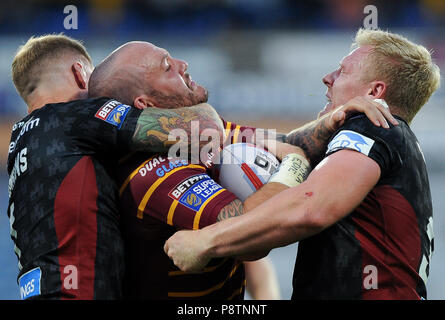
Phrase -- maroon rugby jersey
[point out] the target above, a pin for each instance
(158, 197)
(235, 133)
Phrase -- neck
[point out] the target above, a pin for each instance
(395, 111)
(38, 99)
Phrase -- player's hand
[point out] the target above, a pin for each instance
(185, 248)
(376, 112)
(280, 149)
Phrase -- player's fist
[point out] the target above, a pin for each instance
(187, 249)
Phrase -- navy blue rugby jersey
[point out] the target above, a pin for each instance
(381, 250)
(63, 198)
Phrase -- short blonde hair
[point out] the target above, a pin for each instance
(407, 69)
(34, 57)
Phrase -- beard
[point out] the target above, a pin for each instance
(174, 101)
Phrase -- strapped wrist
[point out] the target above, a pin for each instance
(292, 171)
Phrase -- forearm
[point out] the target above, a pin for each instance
(277, 222)
(291, 173)
(299, 212)
(290, 216)
(313, 138)
(266, 192)
(233, 209)
(158, 129)
(237, 208)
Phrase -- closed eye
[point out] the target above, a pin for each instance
(166, 63)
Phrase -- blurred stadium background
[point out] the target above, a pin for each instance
(262, 61)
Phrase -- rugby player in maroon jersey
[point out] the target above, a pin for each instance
(60, 73)
(364, 215)
(161, 195)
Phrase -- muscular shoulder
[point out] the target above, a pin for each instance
(385, 146)
(362, 124)
(358, 130)
(79, 103)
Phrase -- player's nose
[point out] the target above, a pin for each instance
(328, 79)
(183, 66)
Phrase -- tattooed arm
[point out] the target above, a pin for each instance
(237, 208)
(154, 126)
(311, 137)
(314, 136)
(233, 209)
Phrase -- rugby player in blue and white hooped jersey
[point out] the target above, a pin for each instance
(364, 215)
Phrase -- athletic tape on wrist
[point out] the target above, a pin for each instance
(292, 171)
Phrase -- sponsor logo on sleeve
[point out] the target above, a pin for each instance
(347, 139)
(194, 191)
(29, 283)
(113, 112)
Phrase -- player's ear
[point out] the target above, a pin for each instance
(377, 89)
(142, 102)
(81, 76)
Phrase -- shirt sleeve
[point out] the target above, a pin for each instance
(175, 192)
(100, 125)
(360, 135)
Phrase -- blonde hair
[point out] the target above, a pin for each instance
(36, 55)
(407, 69)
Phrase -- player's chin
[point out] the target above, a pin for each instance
(201, 94)
(328, 107)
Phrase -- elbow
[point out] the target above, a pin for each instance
(308, 222)
(210, 126)
(314, 221)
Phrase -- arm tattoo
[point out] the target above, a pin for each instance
(233, 209)
(312, 138)
(154, 125)
(281, 137)
(271, 134)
